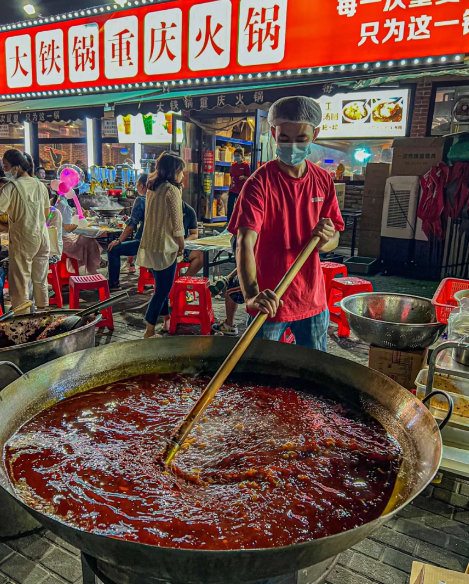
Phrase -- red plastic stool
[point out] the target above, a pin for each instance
(288, 337)
(330, 271)
(181, 266)
(145, 278)
(341, 288)
(199, 311)
(97, 282)
(64, 273)
(53, 278)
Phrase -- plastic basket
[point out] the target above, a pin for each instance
(444, 301)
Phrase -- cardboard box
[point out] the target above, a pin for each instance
(415, 156)
(369, 244)
(375, 180)
(340, 192)
(425, 574)
(401, 366)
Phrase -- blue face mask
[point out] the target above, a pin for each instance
(238, 158)
(10, 175)
(294, 154)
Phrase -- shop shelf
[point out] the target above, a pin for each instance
(221, 188)
(219, 163)
(232, 140)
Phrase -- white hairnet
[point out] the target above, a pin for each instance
(298, 109)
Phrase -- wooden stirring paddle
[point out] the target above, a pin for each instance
(181, 433)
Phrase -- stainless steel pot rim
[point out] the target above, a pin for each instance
(223, 553)
(394, 406)
(405, 324)
(94, 322)
(219, 553)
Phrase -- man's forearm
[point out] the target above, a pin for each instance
(332, 243)
(192, 237)
(126, 233)
(247, 272)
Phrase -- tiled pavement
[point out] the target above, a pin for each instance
(434, 529)
(430, 530)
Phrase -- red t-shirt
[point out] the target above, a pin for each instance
(237, 170)
(284, 211)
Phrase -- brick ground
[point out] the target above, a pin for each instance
(434, 529)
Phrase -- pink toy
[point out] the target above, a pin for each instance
(70, 176)
(62, 188)
(79, 209)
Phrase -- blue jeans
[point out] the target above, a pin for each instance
(310, 332)
(127, 248)
(159, 304)
(2, 285)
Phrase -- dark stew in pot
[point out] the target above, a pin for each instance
(267, 466)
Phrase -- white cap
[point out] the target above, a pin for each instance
(298, 109)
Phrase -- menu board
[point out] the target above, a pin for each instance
(148, 129)
(371, 114)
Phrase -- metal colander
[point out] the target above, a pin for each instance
(393, 321)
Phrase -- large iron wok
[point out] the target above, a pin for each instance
(29, 355)
(398, 410)
(107, 213)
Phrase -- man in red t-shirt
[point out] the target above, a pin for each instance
(281, 206)
(240, 171)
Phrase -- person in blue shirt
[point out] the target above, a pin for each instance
(120, 247)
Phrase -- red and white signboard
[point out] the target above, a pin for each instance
(208, 161)
(191, 39)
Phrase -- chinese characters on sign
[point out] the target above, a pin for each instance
(405, 23)
(83, 53)
(208, 38)
(19, 65)
(210, 35)
(262, 39)
(50, 69)
(374, 114)
(208, 170)
(163, 42)
(208, 161)
(190, 39)
(121, 47)
(110, 127)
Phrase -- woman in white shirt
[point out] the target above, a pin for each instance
(26, 201)
(163, 233)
